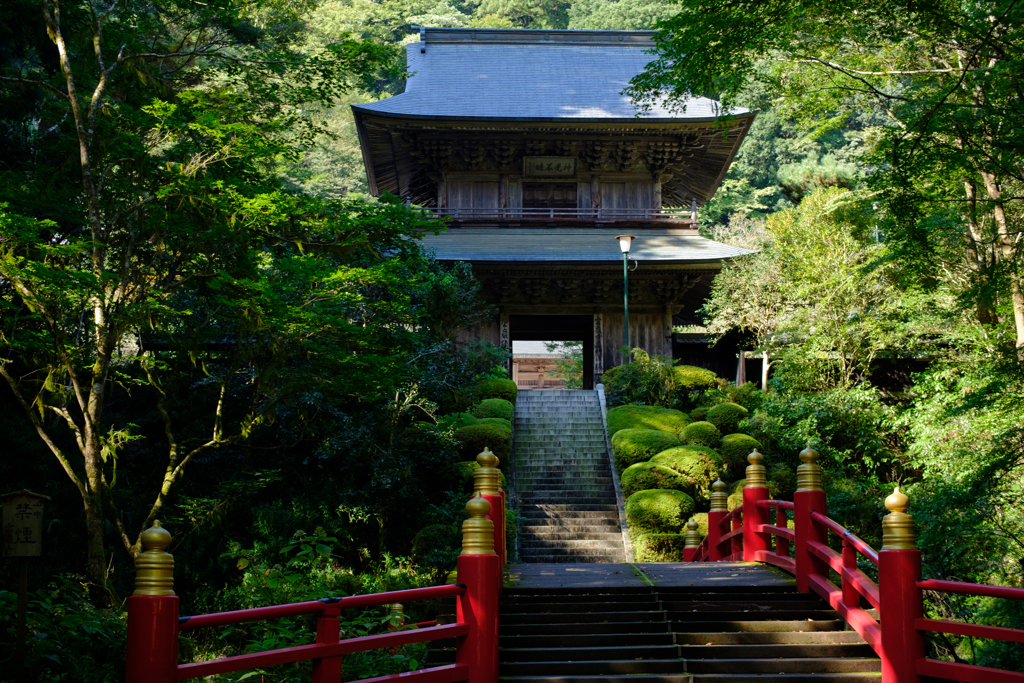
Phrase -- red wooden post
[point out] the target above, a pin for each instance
(809, 497)
(153, 613)
(899, 598)
(478, 608)
(753, 516)
(736, 543)
(781, 544)
(328, 632)
(719, 509)
(692, 541)
(851, 598)
(487, 481)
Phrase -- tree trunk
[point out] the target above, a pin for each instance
(984, 310)
(764, 371)
(1008, 251)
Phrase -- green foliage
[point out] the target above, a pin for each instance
(734, 449)
(646, 380)
(782, 482)
(702, 522)
(500, 421)
(646, 417)
(455, 421)
(735, 498)
(647, 475)
(658, 511)
(436, 548)
(698, 465)
(68, 638)
(568, 364)
(699, 414)
(617, 15)
(465, 471)
(658, 547)
(493, 388)
(701, 434)
(632, 446)
(689, 378)
(726, 417)
(474, 438)
(493, 407)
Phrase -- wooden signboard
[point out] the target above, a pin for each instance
(549, 167)
(23, 524)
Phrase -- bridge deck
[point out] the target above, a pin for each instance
(666, 574)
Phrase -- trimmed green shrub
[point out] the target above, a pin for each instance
(701, 434)
(646, 417)
(493, 407)
(645, 475)
(726, 416)
(658, 511)
(659, 547)
(437, 547)
(734, 450)
(699, 414)
(692, 378)
(493, 388)
(473, 438)
(496, 421)
(736, 493)
(456, 421)
(631, 446)
(699, 466)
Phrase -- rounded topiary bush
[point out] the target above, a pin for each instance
(659, 547)
(726, 416)
(699, 466)
(646, 417)
(701, 434)
(496, 421)
(473, 438)
(658, 511)
(631, 446)
(456, 421)
(493, 407)
(699, 414)
(646, 475)
(493, 388)
(437, 547)
(692, 378)
(734, 450)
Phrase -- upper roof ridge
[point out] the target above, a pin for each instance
(520, 36)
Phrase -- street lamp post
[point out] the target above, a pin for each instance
(624, 241)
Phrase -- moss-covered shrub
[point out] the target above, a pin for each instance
(493, 407)
(631, 446)
(701, 434)
(734, 451)
(658, 511)
(646, 417)
(726, 416)
(473, 438)
(646, 475)
(507, 424)
(456, 421)
(437, 547)
(493, 388)
(699, 414)
(659, 547)
(699, 466)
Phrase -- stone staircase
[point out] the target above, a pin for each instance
(563, 477)
(725, 634)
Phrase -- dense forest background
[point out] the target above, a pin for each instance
(187, 251)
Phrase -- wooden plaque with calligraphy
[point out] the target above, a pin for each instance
(549, 167)
(23, 523)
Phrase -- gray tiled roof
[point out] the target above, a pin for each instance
(514, 74)
(575, 245)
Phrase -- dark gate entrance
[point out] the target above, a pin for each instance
(558, 328)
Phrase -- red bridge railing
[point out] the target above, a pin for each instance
(154, 624)
(749, 533)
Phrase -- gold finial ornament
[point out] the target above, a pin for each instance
(757, 474)
(478, 531)
(693, 538)
(898, 526)
(154, 566)
(719, 498)
(487, 477)
(808, 475)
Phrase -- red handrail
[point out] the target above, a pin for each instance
(978, 589)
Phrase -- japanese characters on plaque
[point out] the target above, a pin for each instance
(23, 524)
(549, 167)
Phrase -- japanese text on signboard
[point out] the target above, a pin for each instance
(549, 167)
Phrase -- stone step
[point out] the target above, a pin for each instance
(527, 508)
(556, 556)
(603, 542)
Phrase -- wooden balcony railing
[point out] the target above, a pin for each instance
(575, 214)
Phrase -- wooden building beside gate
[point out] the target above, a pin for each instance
(525, 141)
